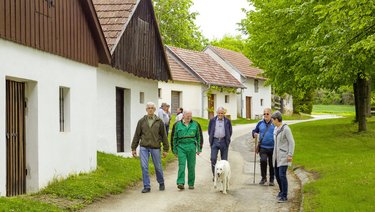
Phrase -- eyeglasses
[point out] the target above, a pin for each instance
(148, 108)
(266, 114)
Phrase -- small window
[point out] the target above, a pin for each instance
(64, 109)
(142, 97)
(256, 86)
(226, 98)
(159, 93)
(261, 102)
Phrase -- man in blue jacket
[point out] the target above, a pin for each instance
(220, 132)
(264, 132)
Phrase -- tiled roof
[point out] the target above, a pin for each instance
(206, 68)
(179, 72)
(239, 61)
(113, 16)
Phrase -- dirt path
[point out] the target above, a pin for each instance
(242, 196)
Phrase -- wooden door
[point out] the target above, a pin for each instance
(248, 107)
(15, 139)
(120, 119)
(175, 103)
(211, 106)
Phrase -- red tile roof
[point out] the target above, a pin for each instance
(179, 72)
(113, 16)
(206, 68)
(239, 61)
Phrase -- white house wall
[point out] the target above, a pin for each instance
(49, 152)
(107, 80)
(264, 92)
(231, 106)
(190, 97)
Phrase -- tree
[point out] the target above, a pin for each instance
(304, 45)
(177, 25)
(235, 43)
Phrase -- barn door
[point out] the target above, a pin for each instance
(248, 107)
(175, 101)
(120, 119)
(211, 106)
(15, 138)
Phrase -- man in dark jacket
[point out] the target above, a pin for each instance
(149, 135)
(264, 132)
(220, 132)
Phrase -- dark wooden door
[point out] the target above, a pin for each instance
(120, 119)
(175, 103)
(15, 139)
(248, 107)
(211, 106)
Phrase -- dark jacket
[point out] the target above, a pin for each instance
(200, 134)
(227, 126)
(150, 137)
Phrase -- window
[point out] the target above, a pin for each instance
(261, 102)
(64, 109)
(256, 86)
(159, 93)
(226, 98)
(142, 97)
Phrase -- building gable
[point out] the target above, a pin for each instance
(61, 27)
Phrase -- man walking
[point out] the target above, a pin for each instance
(220, 132)
(150, 132)
(186, 144)
(264, 132)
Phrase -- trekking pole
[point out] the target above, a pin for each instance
(255, 155)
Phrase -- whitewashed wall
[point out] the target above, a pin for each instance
(191, 95)
(264, 92)
(231, 106)
(107, 80)
(49, 152)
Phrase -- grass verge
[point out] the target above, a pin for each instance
(343, 110)
(342, 159)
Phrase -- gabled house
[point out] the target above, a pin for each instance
(131, 80)
(257, 95)
(49, 54)
(200, 84)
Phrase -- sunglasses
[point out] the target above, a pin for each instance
(266, 114)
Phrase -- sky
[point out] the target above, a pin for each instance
(219, 17)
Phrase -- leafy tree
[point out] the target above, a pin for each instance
(303, 45)
(176, 24)
(235, 43)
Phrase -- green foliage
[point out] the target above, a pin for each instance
(303, 104)
(176, 24)
(236, 43)
(22, 204)
(344, 95)
(341, 160)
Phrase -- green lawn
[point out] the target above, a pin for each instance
(344, 110)
(343, 160)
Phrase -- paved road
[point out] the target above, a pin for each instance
(243, 195)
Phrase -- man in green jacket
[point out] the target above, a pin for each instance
(149, 135)
(186, 144)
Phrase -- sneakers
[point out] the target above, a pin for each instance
(191, 187)
(181, 186)
(161, 187)
(262, 182)
(146, 190)
(282, 200)
(271, 183)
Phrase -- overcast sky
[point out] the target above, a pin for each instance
(219, 17)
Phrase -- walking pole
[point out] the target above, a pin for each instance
(255, 155)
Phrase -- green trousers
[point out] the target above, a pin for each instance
(186, 152)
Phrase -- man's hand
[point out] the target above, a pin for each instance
(165, 154)
(256, 135)
(134, 153)
(198, 153)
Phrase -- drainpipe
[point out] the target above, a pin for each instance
(204, 90)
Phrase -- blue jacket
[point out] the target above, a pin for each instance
(227, 126)
(267, 141)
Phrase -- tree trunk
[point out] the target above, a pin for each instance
(356, 106)
(362, 100)
(368, 98)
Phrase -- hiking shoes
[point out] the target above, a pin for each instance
(146, 190)
(191, 187)
(262, 182)
(282, 200)
(181, 186)
(161, 187)
(271, 183)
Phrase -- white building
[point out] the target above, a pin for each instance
(256, 96)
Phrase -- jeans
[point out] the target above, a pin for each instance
(156, 159)
(280, 173)
(167, 129)
(266, 154)
(216, 146)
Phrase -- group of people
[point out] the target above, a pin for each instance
(275, 141)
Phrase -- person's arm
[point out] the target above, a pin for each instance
(164, 137)
(175, 140)
(201, 135)
(256, 130)
(291, 143)
(230, 127)
(172, 135)
(136, 138)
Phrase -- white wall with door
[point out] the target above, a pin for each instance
(260, 97)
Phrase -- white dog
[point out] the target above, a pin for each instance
(222, 175)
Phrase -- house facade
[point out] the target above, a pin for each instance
(201, 84)
(131, 80)
(49, 54)
(256, 96)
